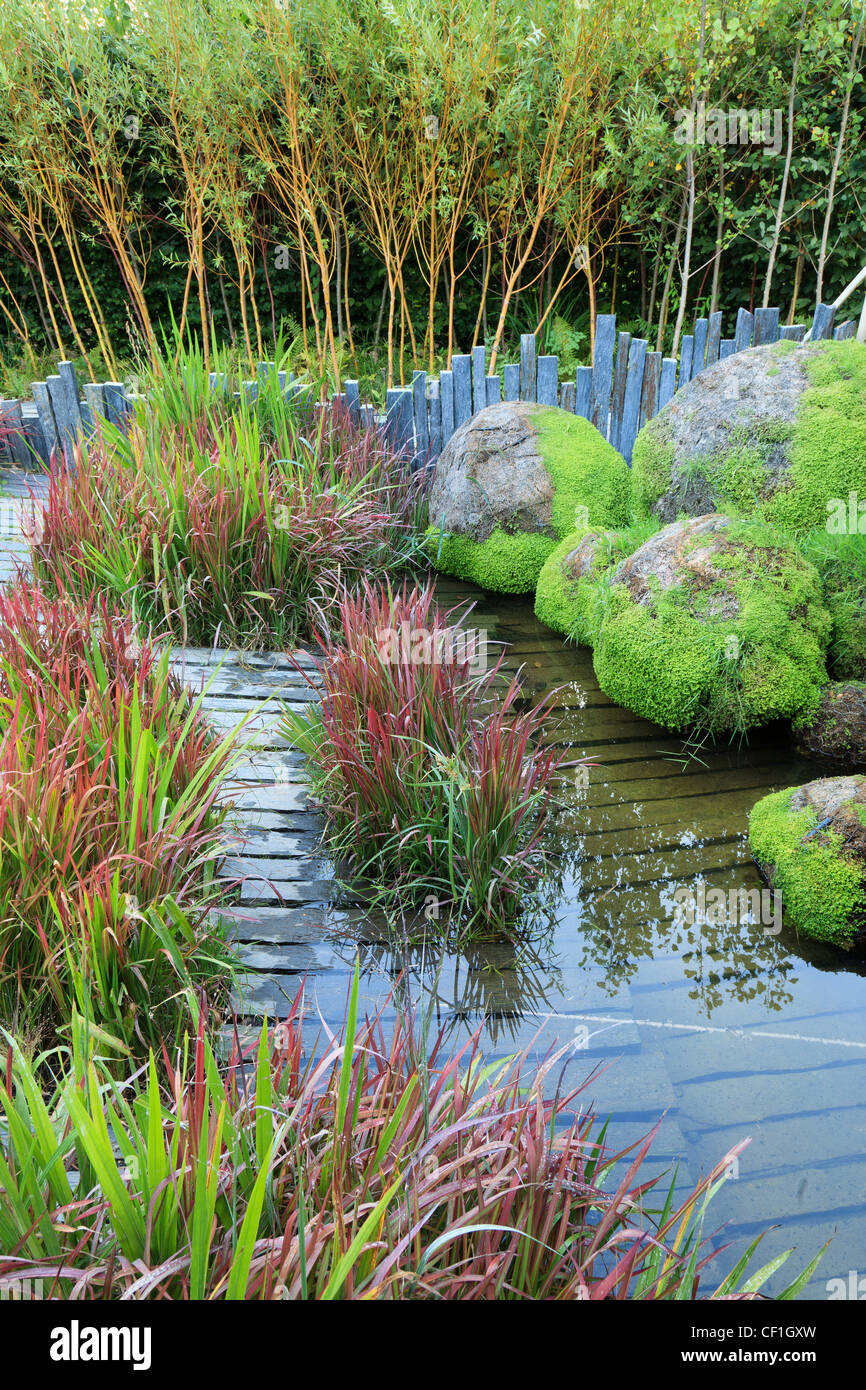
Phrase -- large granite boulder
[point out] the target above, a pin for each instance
(835, 733)
(712, 624)
(513, 481)
(777, 431)
(810, 844)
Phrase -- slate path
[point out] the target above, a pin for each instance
(726, 1032)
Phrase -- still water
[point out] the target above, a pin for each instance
(725, 1029)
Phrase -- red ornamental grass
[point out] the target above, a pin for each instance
(220, 528)
(356, 1174)
(110, 827)
(432, 779)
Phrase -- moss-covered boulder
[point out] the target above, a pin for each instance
(841, 563)
(512, 482)
(810, 843)
(777, 431)
(713, 624)
(835, 733)
(568, 594)
(568, 580)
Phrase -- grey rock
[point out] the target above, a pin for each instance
(491, 473)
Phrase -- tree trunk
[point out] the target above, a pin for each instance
(831, 191)
(783, 191)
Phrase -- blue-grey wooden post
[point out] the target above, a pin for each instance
(527, 367)
(726, 348)
(66, 372)
(493, 389)
(17, 441)
(353, 399)
(766, 326)
(94, 394)
(398, 417)
(618, 395)
(461, 368)
(822, 323)
(547, 384)
(583, 392)
(686, 355)
(567, 396)
(67, 427)
(667, 381)
(602, 371)
(743, 330)
(845, 330)
(368, 416)
(714, 338)
(793, 332)
(633, 392)
(699, 351)
(446, 399)
(649, 401)
(479, 378)
(419, 413)
(512, 381)
(45, 412)
(435, 419)
(116, 404)
(33, 433)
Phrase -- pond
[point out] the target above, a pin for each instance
(724, 1028)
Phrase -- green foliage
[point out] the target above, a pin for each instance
(822, 884)
(504, 564)
(841, 562)
(678, 661)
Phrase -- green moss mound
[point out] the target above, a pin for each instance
(591, 485)
(680, 662)
(821, 883)
(841, 562)
(505, 564)
(825, 448)
(573, 606)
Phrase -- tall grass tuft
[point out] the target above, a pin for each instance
(354, 1175)
(110, 825)
(222, 514)
(435, 785)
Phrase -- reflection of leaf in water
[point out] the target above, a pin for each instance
(492, 983)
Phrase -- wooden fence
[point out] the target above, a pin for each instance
(626, 385)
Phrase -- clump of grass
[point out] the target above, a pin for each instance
(216, 517)
(359, 1175)
(110, 827)
(434, 783)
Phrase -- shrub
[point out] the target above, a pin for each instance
(363, 1174)
(109, 823)
(431, 779)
